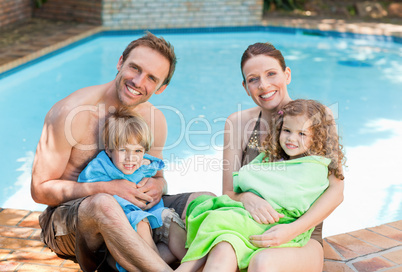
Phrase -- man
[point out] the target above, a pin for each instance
(83, 218)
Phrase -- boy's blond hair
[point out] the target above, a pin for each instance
(123, 128)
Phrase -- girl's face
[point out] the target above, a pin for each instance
(266, 82)
(296, 135)
(127, 158)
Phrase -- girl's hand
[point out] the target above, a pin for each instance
(275, 236)
(261, 211)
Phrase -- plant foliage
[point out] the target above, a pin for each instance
(288, 5)
(39, 3)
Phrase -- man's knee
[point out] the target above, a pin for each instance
(191, 198)
(101, 208)
(197, 194)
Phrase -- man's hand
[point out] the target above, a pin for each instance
(261, 211)
(130, 192)
(275, 236)
(152, 187)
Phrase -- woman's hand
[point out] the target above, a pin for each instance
(275, 236)
(261, 211)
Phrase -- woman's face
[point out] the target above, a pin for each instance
(266, 82)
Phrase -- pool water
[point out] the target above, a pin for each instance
(360, 79)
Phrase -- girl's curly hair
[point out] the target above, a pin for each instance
(324, 135)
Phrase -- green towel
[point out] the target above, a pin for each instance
(289, 186)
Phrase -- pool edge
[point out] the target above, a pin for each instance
(284, 27)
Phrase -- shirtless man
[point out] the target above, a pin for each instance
(84, 217)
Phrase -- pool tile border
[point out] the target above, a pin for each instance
(265, 28)
(30, 59)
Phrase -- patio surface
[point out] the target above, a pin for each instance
(38, 37)
(371, 249)
(376, 248)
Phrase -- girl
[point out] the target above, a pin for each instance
(301, 152)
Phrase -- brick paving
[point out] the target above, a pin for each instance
(38, 37)
(372, 249)
(377, 248)
(21, 248)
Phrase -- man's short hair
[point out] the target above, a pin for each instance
(158, 44)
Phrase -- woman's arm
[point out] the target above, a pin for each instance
(234, 141)
(320, 210)
(323, 206)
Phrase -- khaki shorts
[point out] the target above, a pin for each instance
(58, 227)
(59, 224)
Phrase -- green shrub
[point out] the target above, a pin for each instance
(288, 5)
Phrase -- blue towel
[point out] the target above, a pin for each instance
(102, 169)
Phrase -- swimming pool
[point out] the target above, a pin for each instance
(355, 77)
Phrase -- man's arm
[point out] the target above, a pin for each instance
(54, 172)
(51, 161)
(155, 186)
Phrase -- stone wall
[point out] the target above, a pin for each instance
(88, 11)
(14, 11)
(138, 14)
(145, 14)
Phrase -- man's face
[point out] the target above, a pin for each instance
(141, 75)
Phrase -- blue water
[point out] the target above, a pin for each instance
(361, 80)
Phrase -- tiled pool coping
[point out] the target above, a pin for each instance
(326, 27)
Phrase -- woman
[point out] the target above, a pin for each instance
(218, 228)
(265, 79)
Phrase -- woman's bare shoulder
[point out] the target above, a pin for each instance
(244, 115)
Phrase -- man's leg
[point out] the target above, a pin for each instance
(180, 202)
(101, 220)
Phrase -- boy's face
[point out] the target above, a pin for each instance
(127, 158)
(296, 136)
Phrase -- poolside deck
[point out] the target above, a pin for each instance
(38, 37)
(372, 249)
(377, 248)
